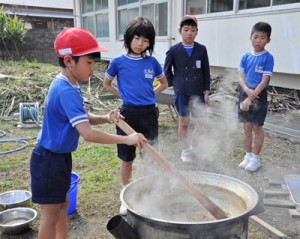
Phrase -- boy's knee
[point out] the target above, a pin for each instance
(258, 129)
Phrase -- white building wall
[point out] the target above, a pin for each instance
(63, 4)
(227, 38)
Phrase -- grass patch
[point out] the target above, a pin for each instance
(98, 168)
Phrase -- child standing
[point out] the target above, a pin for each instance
(255, 71)
(64, 121)
(135, 72)
(187, 69)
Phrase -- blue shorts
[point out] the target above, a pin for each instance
(185, 105)
(50, 176)
(258, 109)
(143, 119)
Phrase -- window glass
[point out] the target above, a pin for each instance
(158, 15)
(247, 4)
(122, 22)
(124, 16)
(101, 4)
(125, 2)
(95, 19)
(88, 23)
(102, 25)
(99, 28)
(132, 13)
(122, 2)
(148, 12)
(132, 1)
(104, 4)
(98, 5)
(105, 25)
(87, 6)
(220, 6)
(195, 7)
(279, 2)
(161, 19)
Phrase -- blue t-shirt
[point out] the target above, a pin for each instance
(135, 76)
(255, 65)
(63, 110)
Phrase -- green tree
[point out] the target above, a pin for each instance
(12, 33)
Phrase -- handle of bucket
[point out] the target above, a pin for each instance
(73, 185)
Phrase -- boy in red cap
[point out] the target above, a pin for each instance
(187, 69)
(65, 119)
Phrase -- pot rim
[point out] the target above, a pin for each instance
(244, 214)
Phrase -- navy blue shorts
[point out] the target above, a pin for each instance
(143, 120)
(185, 105)
(50, 176)
(258, 109)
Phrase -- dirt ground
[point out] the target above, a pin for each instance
(221, 152)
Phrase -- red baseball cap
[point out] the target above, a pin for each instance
(76, 42)
(188, 17)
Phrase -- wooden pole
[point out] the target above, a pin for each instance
(209, 205)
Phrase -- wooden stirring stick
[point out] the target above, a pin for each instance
(209, 205)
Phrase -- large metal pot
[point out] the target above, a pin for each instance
(158, 208)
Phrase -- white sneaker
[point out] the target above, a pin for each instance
(253, 165)
(245, 162)
(123, 210)
(186, 156)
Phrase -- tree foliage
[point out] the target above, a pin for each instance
(12, 33)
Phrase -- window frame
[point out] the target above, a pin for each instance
(139, 4)
(94, 13)
(237, 12)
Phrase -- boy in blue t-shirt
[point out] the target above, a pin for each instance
(187, 69)
(65, 119)
(255, 71)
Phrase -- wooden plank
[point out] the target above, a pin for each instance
(276, 181)
(294, 213)
(278, 203)
(276, 192)
(267, 228)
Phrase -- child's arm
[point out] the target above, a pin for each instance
(107, 83)
(162, 86)
(206, 97)
(168, 68)
(102, 119)
(245, 105)
(97, 136)
(263, 84)
(251, 93)
(260, 87)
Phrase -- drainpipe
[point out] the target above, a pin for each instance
(170, 23)
(76, 13)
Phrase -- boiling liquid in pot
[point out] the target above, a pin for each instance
(178, 205)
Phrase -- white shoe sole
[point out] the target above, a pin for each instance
(244, 163)
(252, 168)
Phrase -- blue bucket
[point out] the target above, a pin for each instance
(72, 193)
